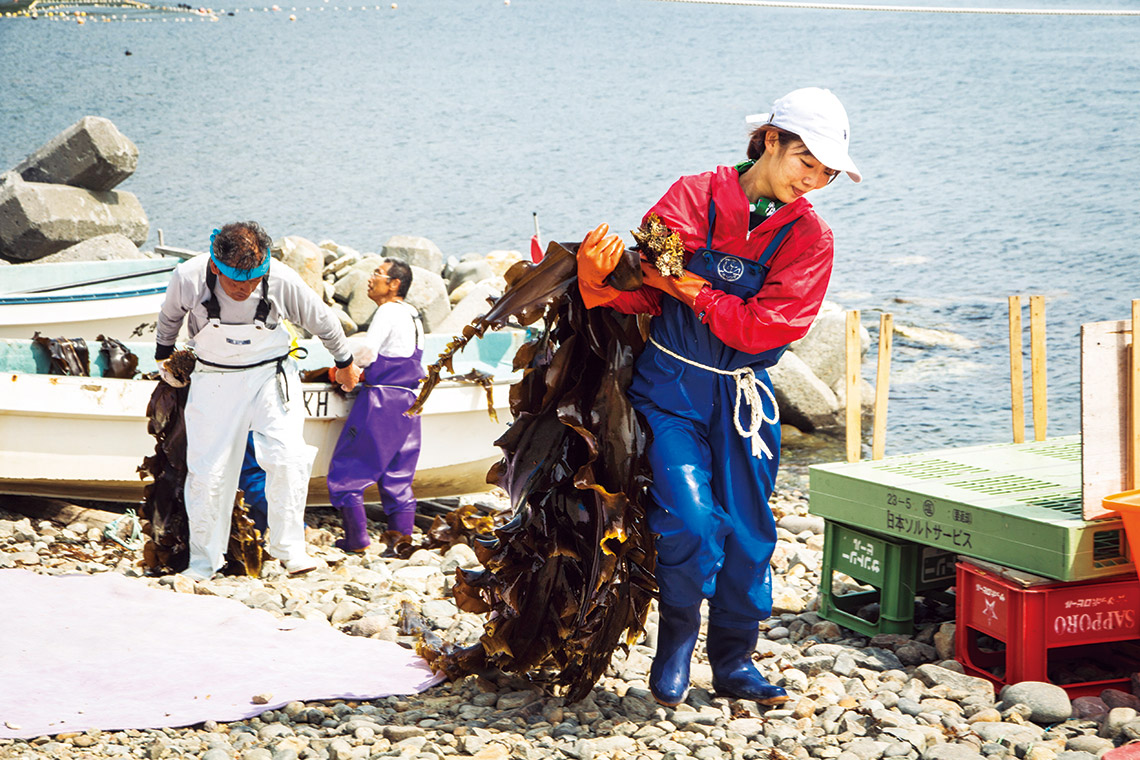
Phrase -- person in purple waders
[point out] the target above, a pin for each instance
(379, 443)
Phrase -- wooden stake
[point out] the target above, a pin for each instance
(1016, 370)
(882, 386)
(1132, 474)
(854, 392)
(1037, 365)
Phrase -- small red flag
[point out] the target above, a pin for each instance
(535, 249)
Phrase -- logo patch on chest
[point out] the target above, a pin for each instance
(233, 342)
(730, 269)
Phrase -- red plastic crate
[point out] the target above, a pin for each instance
(1059, 624)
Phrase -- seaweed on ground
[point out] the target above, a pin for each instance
(569, 578)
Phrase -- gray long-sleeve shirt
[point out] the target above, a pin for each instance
(289, 297)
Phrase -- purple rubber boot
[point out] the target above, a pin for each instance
(402, 518)
(355, 528)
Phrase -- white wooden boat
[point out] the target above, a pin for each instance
(84, 299)
(85, 437)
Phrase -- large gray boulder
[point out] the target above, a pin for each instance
(360, 307)
(110, 247)
(428, 294)
(804, 400)
(417, 251)
(38, 219)
(354, 278)
(92, 154)
(305, 258)
(468, 271)
(824, 347)
(473, 305)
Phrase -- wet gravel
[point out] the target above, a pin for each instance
(853, 697)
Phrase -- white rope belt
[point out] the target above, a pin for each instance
(397, 387)
(748, 389)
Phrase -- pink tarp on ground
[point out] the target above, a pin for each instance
(106, 651)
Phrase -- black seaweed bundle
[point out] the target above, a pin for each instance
(569, 578)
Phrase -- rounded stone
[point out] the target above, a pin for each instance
(1048, 703)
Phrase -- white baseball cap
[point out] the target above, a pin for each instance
(818, 118)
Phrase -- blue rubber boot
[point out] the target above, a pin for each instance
(677, 629)
(734, 674)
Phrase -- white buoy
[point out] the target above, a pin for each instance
(292, 18)
(393, 6)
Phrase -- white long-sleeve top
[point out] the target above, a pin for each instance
(289, 298)
(393, 332)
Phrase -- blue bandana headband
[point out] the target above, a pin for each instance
(233, 272)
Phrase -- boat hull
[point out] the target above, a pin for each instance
(85, 437)
(133, 317)
(84, 299)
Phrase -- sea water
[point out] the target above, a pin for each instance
(1000, 152)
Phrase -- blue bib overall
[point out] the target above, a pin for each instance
(709, 497)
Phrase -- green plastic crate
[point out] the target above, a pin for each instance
(897, 569)
(1018, 505)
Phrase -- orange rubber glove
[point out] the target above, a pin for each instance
(685, 288)
(597, 257)
(347, 377)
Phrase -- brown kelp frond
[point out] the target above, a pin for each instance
(530, 289)
(66, 356)
(569, 578)
(661, 245)
(246, 553)
(119, 361)
(163, 510)
(459, 526)
(475, 377)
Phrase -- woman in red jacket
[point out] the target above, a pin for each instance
(757, 263)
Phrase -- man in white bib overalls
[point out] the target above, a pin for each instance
(245, 380)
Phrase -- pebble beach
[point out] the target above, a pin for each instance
(852, 697)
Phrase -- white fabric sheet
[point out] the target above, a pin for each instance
(109, 652)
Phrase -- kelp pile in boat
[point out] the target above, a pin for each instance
(70, 356)
(163, 510)
(66, 356)
(569, 578)
(119, 361)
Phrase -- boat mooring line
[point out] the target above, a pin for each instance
(912, 8)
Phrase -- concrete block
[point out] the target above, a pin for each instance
(110, 247)
(473, 305)
(92, 154)
(468, 271)
(37, 219)
(354, 278)
(428, 294)
(501, 261)
(305, 258)
(417, 251)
